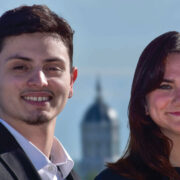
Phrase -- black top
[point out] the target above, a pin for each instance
(109, 174)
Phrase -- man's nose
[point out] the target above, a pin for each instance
(38, 79)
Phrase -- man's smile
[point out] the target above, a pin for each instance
(39, 99)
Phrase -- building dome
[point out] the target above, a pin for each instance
(99, 111)
(99, 135)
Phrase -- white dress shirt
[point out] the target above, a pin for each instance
(46, 168)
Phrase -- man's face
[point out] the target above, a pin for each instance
(35, 78)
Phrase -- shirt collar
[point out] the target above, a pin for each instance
(59, 155)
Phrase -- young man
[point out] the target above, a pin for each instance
(36, 79)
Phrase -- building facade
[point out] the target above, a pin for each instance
(100, 136)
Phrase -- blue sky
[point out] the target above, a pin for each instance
(109, 37)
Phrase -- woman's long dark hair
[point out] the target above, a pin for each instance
(148, 149)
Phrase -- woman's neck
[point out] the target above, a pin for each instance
(175, 152)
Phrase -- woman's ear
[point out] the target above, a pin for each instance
(146, 107)
(146, 110)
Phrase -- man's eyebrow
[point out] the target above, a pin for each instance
(18, 57)
(54, 60)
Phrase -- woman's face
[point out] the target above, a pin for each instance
(163, 103)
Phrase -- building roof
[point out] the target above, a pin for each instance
(99, 110)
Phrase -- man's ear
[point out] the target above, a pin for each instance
(74, 73)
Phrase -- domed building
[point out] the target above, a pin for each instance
(100, 135)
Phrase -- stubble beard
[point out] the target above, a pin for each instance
(38, 120)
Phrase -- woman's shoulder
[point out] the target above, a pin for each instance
(109, 174)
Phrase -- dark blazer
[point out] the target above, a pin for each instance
(14, 164)
(109, 174)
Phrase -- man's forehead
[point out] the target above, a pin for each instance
(34, 41)
(35, 45)
(38, 35)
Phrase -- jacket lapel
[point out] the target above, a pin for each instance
(14, 158)
(73, 176)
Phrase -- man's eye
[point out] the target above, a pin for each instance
(165, 86)
(20, 67)
(53, 68)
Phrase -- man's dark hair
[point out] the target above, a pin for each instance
(35, 18)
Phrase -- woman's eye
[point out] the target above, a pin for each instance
(165, 86)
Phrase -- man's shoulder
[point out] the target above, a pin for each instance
(109, 174)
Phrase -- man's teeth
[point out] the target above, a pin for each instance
(39, 99)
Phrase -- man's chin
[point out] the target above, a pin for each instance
(38, 120)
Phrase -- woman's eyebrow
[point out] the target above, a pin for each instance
(167, 80)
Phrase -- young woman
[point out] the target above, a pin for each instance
(153, 151)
